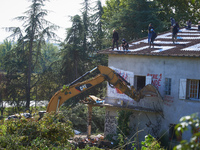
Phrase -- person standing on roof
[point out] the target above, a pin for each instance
(189, 23)
(174, 32)
(149, 32)
(124, 45)
(153, 37)
(115, 39)
(198, 26)
(172, 21)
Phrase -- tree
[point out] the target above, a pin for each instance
(14, 82)
(132, 17)
(86, 20)
(72, 51)
(96, 36)
(181, 10)
(96, 29)
(49, 54)
(36, 30)
(4, 48)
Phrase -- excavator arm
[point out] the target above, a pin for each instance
(106, 74)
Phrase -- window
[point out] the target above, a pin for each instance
(189, 89)
(193, 86)
(167, 86)
(140, 82)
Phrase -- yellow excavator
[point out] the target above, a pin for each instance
(106, 74)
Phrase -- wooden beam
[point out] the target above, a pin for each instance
(89, 127)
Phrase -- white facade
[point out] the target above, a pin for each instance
(174, 105)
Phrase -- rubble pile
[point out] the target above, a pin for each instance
(96, 141)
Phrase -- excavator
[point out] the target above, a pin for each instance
(106, 74)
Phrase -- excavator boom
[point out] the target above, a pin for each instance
(106, 74)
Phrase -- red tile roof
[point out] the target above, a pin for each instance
(187, 45)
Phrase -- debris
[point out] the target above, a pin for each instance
(18, 116)
(93, 99)
(77, 132)
(81, 141)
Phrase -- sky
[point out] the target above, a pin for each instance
(60, 12)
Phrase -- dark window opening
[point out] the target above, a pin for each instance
(140, 80)
(167, 86)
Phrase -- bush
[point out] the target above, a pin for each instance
(191, 122)
(78, 116)
(151, 143)
(52, 131)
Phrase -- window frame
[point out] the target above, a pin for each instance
(136, 79)
(185, 89)
(191, 84)
(168, 86)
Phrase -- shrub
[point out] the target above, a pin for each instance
(52, 131)
(151, 143)
(191, 122)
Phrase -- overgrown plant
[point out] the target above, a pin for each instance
(150, 143)
(191, 123)
(123, 120)
(52, 131)
(78, 116)
(123, 130)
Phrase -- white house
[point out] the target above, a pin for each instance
(173, 68)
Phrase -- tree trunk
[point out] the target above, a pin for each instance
(28, 89)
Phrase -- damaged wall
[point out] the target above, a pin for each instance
(159, 68)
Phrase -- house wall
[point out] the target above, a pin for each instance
(160, 68)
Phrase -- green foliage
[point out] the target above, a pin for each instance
(121, 140)
(49, 132)
(49, 54)
(89, 148)
(36, 30)
(78, 116)
(132, 17)
(150, 143)
(123, 120)
(191, 123)
(181, 10)
(123, 130)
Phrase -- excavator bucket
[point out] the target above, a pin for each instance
(149, 91)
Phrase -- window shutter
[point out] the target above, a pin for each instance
(182, 89)
(148, 80)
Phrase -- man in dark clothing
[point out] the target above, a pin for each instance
(189, 23)
(174, 33)
(115, 39)
(149, 32)
(153, 37)
(172, 21)
(125, 45)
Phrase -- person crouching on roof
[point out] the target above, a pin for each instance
(125, 45)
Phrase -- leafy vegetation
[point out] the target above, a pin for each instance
(78, 116)
(52, 131)
(189, 123)
(34, 69)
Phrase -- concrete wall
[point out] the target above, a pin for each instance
(160, 68)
